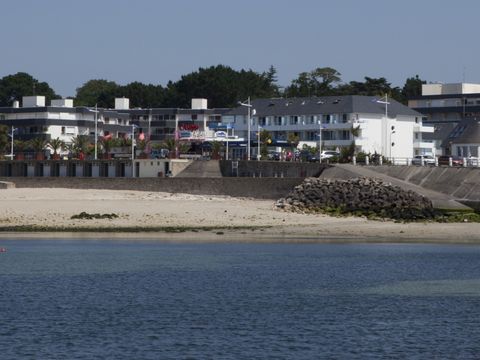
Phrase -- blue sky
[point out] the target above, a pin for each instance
(67, 43)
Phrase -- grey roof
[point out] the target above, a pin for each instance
(466, 132)
(324, 105)
(441, 131)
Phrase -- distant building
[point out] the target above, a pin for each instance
(61, 120)
(445, 106)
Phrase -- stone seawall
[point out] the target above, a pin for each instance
(260, 188)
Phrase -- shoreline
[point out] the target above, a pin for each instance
(199, 218)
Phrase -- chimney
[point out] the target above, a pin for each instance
(16, 104)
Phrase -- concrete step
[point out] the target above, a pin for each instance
(202, 169)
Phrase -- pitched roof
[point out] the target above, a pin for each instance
(466, 132)
(324, 105)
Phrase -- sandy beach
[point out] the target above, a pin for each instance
(206, 218)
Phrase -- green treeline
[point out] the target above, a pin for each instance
(220, 84)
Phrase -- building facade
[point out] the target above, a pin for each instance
(372, 124)
(450, 109)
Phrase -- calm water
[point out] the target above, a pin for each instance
(152, 300)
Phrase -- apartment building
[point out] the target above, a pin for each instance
(382, 126)
(453, 110)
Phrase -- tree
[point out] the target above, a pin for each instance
(56, 145)
(318, 82)
(107, 143)
(100, 92)
(4, 139)
(14, 87)
(265, 140)
(412, 87)
(221, 85)
(80, 144)
(217, 147)
(142, 96)
(38, 144)
(293, 140)
(371, 87)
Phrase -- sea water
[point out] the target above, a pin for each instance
(138, 299)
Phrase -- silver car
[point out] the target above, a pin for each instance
(427, 160)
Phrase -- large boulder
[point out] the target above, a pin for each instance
(361, 196)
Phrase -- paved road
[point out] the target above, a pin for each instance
(439, 200)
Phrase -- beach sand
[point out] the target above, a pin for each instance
(206, 218)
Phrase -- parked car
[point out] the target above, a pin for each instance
(445, 160)
(306, 155)
(472, 161)
(328, 154)
(273, 155)
(427, 160)
(159, 153)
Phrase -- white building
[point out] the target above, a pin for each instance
(392, 129)
(61, 120)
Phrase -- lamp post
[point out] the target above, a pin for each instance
(249, 106)
(96, 129)
(133, 141)
(384, 101)
(226, 139)
(11, 136)
(258, 148)
(320, 140)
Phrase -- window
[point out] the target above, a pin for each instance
(345, 118)
(345, 135)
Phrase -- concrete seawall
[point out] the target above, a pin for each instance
(260, 188)
(460, 183)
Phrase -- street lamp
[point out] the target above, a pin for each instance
(96, 128)
(11, 135)
(258, 149)
(384, 101)
(249, 106)
(320, 140)
(133, 141)
(229, 126)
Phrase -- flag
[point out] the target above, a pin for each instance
(141, 136)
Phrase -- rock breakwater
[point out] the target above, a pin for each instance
(360, 196)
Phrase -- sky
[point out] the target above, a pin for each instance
(66, 43)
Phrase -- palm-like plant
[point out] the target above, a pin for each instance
(216, 148)
(170, 144)
(38, 145)
(56, 145)
(80, 144)
(107, 143)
